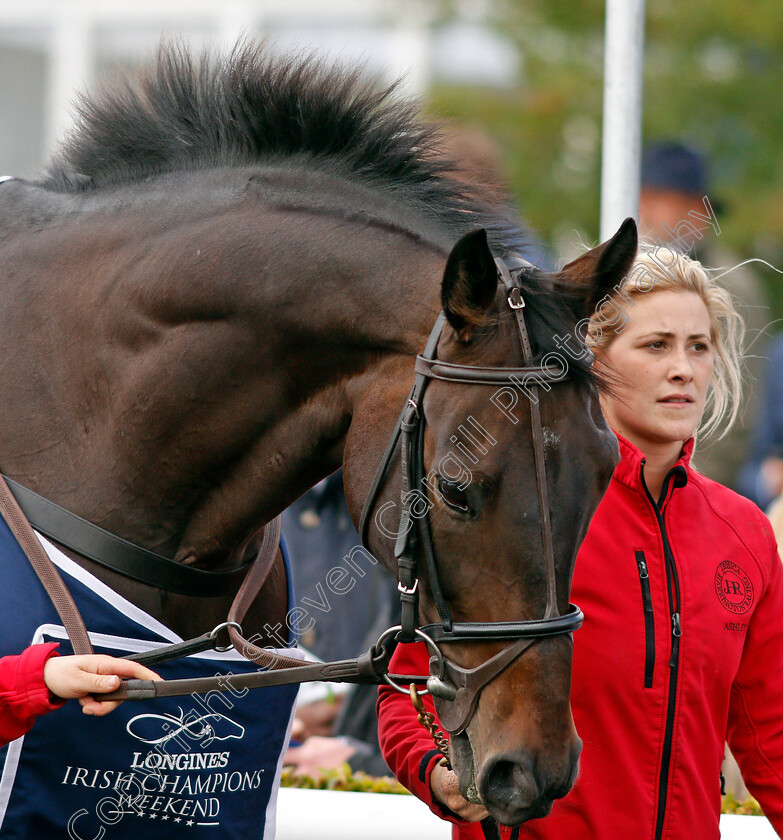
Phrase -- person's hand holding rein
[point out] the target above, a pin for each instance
(69, 677)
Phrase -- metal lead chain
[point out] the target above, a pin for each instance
(427, 720)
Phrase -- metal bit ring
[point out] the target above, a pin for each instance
(431, 646)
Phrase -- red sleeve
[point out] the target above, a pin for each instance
(756, 712)
(23, 692)
(405, 743)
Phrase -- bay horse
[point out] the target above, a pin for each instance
(215, 298)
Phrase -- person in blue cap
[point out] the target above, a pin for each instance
(676, 208)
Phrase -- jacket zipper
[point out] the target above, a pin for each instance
(673, 587)
(649, 620)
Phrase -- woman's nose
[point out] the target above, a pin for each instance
(680, 368)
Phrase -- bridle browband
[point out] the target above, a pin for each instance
(460, 687)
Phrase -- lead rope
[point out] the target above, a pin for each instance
(489, 826)
(427, 720)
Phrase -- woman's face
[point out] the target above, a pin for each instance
(663, 362)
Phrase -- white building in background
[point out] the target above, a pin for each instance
(52, 49)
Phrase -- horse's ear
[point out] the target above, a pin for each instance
(470, 281)
(586, 280)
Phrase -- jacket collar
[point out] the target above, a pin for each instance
(629, 470)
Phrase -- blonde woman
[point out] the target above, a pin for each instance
(681, 586)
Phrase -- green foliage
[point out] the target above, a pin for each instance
(342, 778)
(713, 75)
(748, 807)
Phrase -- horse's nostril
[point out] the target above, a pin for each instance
(510, 784)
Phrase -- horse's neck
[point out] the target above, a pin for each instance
(343, 321)
(219, 375)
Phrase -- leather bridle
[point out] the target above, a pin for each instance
(455, 689)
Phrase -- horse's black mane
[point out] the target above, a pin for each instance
(252, 105)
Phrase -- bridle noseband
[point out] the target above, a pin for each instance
(456, 689)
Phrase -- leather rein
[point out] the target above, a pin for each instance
(455, 689)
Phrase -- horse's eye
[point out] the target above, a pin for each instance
(453, 496)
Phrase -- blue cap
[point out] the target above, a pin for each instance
(673, 166)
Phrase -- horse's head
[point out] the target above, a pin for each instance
(507, 456)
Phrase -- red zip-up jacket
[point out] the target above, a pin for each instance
(681, 649)
(23, 692)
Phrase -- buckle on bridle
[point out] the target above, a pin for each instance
(408, 590)
(515, 299)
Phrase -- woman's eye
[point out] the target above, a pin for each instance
(453, 496)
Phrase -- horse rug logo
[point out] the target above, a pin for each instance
(733, 587)
(204, 728)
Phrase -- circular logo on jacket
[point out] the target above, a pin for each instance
(733, 587)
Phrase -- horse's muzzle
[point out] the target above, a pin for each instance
(515, 788)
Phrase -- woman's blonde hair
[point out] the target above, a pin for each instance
(659, 268)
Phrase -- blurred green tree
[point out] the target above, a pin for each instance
(713, 77)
